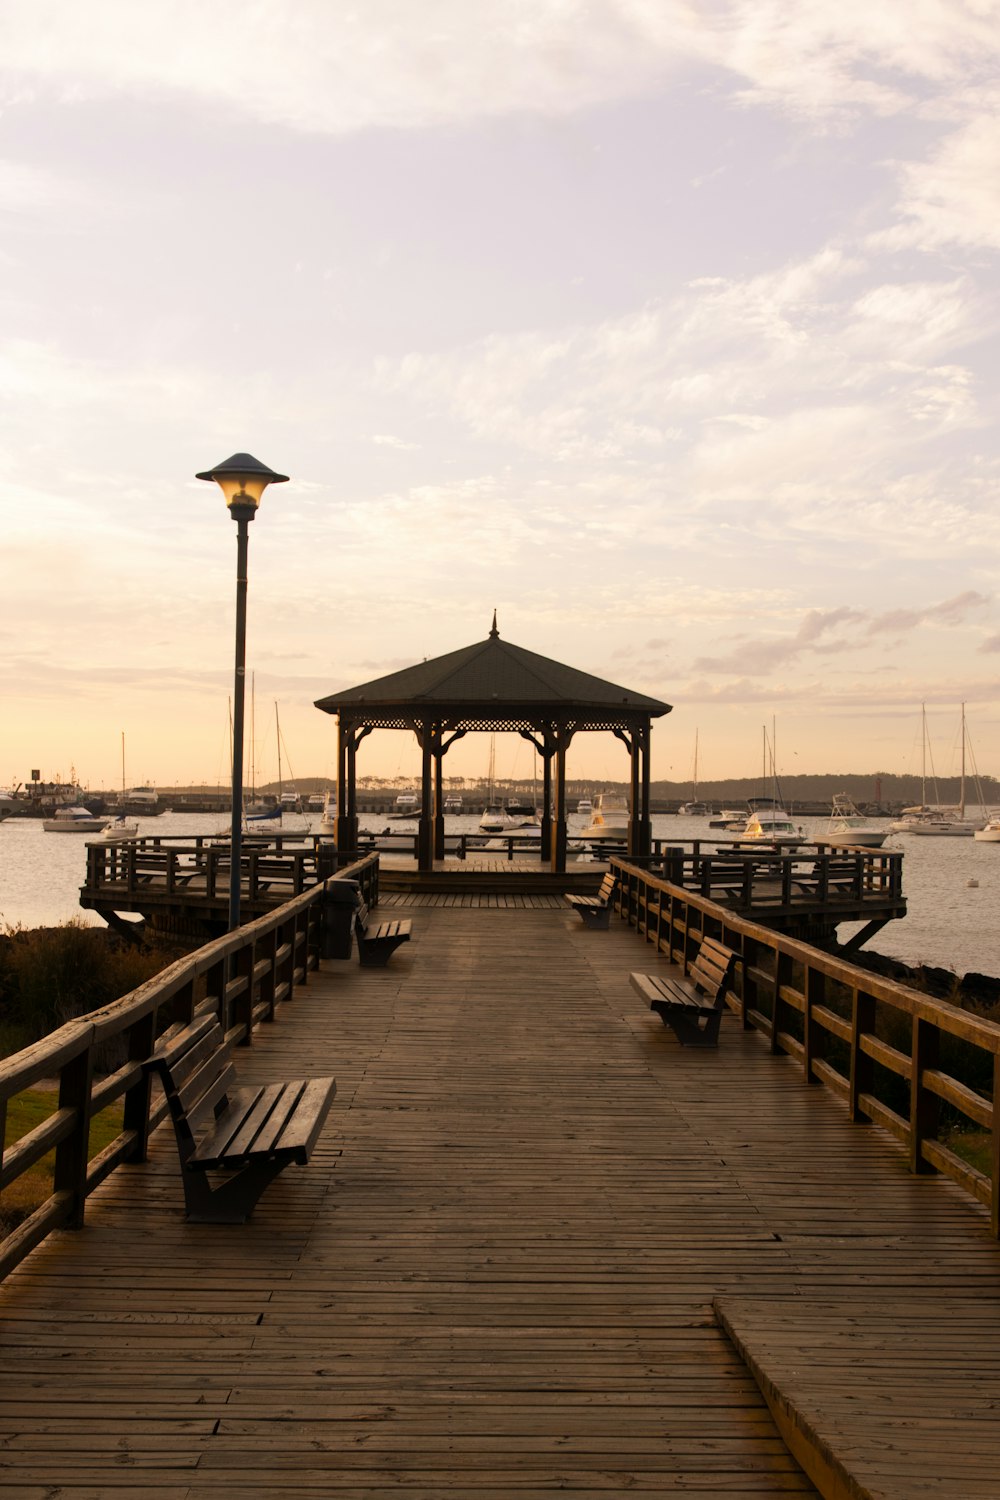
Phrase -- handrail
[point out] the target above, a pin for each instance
(241, 977)
(897, 1058)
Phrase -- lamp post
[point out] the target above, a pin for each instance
(242, 480)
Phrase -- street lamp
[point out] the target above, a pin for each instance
(242, 479)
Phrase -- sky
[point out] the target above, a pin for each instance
(668, 330)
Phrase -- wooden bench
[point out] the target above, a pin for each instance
(247, 1134)
(839, 877)
(692, 1006)
(377, 943)
(596, 910)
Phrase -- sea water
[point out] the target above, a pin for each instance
(951, 885)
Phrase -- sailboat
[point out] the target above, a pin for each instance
(121, 827)
(695, 808)
(911, 816)
(947, 822)
(768, 824)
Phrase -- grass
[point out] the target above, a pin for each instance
(974, 1147)
(24, 1112)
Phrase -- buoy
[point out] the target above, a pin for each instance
(973, 885)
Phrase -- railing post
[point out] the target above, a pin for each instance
(995, 1153)
(862, 1066)
(72, 1154)
(782, 972)
(925, 1107)
(812, 1035)
(135, 1111)
(242, 1003)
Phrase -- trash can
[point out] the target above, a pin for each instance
(339, 899)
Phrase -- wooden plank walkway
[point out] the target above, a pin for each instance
(496, 1276)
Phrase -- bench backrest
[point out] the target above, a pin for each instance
(712, 971)
(361, 914)
(607, 887)
(195, 1067)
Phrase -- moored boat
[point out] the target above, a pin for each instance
(407, 805)
(74, 819)
(732, 818)
(847, 828)
(609, 819)
(770, 826)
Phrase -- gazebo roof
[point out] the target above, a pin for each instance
(493, 684)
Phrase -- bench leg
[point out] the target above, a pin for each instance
(233, 1199)
(687, 1029)
(375, 955)
(598, 918)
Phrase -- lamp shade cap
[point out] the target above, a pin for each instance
(243, 463)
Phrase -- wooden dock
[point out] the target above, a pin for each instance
(538, 1250)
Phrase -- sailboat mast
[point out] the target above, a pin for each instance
(277, 731)
(961, 789)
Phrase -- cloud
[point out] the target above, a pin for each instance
(953, 197)
(317, 66)
(766, 654)
(948, 612)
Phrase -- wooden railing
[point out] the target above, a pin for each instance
(747, 878)
(922, 1069)
(241, 978)
(289, 862)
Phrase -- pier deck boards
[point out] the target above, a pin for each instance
(496, 1276)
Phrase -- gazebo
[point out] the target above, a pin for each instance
(495, 686)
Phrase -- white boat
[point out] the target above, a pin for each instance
(407, 805)
(769, 824)
(695, 808)
(141, 801)
(585, 807)
(7, 805)
(74, 819)
(328, 822)
(946, 824)
(120, 827)
(908, 816)
(452, 803)
(943, 822)
(609, 819)
(848, 829)
(990, 831)
(496, 819)
(315, 802)
(732, 818)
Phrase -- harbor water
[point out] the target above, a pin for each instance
(952, 885)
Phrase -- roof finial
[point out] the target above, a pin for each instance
(494, 630)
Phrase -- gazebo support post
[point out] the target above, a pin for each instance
(646, 828)
(425, 833)
(546, 754)
(635, 811)
(438, 752)
(349, 737)
(347, 837)
(545, 747)
(441, 748)
(557, 856)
